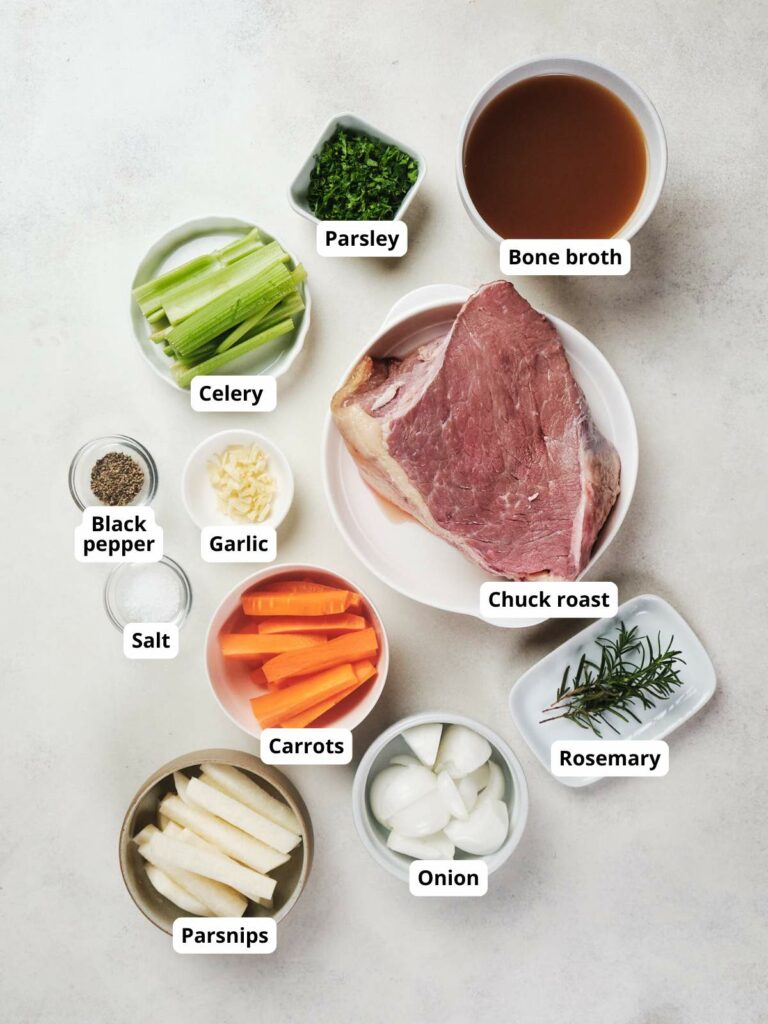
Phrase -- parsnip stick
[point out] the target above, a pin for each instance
(242, 817)
(194, 840)
(212, 864)
(241, 787)
(230, 840)
(223, 901)
(174, 892)
(145, 835)
(180, 781)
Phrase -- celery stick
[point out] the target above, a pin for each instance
(230, 309)
(189, 298)
(245, 328)
(184, 376)
(172, 277)
(262, 321)
(156, 316)
(150, 295)
(289, 306)
(241, 247)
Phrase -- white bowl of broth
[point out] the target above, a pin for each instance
(560, 147)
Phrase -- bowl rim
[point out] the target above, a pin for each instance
(369, 129)
(269, 446)
(332, 501)
(646, 203)
(245, 762)
(127, 442)
(280, 569)
(181, 575)
(210, 226)
(360, 810)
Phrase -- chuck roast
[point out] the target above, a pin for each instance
(486, 439)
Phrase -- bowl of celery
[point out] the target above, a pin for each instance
(219, 295)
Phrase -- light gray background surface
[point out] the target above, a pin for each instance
(633, 902)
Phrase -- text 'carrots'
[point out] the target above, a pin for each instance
(343, 623)
(346, 648)
(324, 602)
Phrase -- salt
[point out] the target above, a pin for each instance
(150, 593)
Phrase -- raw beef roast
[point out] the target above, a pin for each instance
(487, 440)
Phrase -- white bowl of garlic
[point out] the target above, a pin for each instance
(237, 477)
(439, 786)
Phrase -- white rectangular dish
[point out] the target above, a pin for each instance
(535, 690)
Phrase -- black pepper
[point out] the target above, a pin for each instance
(116, 479)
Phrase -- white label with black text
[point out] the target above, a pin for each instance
(306, 746)
(238, 544)
(595, 257)
(506, 600)
(362, 238)
(151, 640)
(224, 935)
(118, 534)
(587, 758)
(233, 394)
(448, 877)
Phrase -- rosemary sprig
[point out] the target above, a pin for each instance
(631, 668)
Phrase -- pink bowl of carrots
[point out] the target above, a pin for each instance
(296, 646)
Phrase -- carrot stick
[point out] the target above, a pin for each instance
(308, 587)
(292, 587)
(308, 624)
(364, 670)
(251, 626)
(246, 646)
(257, 676)
(304, 718)
(346, 648)
(272, 708)
(326, 602)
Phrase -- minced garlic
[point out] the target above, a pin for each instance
(244, 488)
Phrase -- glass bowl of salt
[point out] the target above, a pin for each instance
(147, 592)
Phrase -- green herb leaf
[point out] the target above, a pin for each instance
(357, 177)
(631, 669)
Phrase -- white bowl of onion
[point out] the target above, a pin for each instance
(439, 786)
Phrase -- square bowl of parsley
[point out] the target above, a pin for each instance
(356, 172)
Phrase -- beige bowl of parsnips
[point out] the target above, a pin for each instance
(291, 876)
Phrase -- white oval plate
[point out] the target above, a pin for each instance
(195, 238)
(401, 552)
(199, 496)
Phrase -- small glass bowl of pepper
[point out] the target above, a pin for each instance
(112, 470)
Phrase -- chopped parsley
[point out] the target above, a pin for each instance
(357, 177)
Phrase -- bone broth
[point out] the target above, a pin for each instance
(555, 156)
